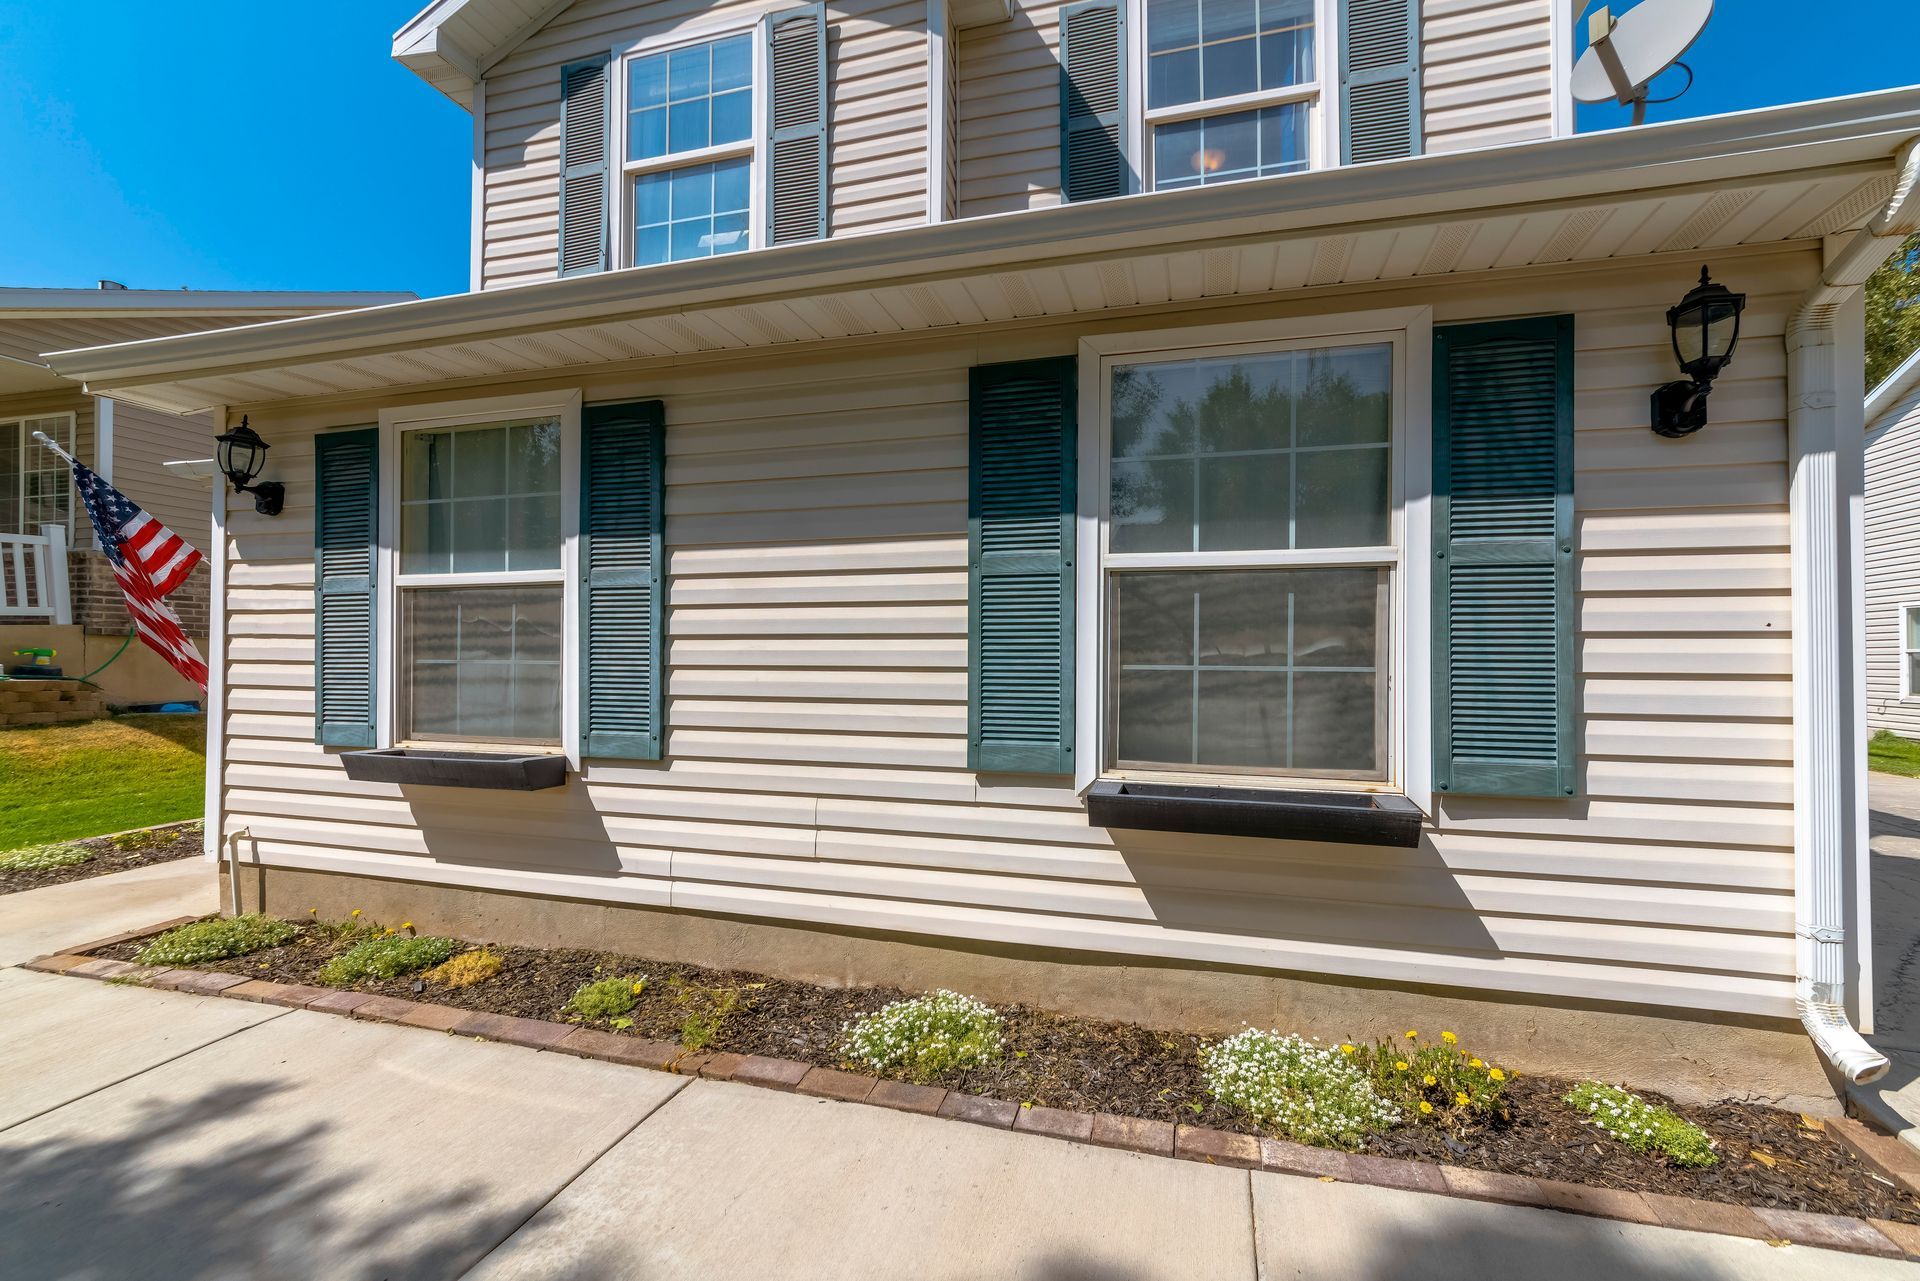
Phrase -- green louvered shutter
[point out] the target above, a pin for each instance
(1504, 607)
(1020, 528)
(1093, 98)
(584, 142)
(796, 125)
(622, 580)
(1379, 80)
(346, 527)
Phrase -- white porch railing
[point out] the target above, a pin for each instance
(33, 576)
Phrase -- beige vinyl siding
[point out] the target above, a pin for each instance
(1893, 560)
(816, 760)
(146, 439)
(1486, 69)
(877, 75)
(1007, 112)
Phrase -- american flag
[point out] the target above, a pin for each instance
(149, 560)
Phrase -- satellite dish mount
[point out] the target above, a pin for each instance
(1625, 54)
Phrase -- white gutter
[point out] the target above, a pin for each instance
(1826, 449)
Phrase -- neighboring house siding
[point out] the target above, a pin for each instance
(877, 119)
(1486, 72)
(146, 439)
(1893, 560)
(816, 763)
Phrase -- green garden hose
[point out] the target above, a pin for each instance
(109, 663)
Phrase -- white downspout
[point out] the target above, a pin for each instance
(1826, 437)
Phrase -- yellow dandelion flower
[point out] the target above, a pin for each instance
(1460, 1100)
(1475, 1063)
(1429, 1079)
(1449, 1037)
(1346, 1049)
(1412, 1035)
(1400, 1065)
(1426, 1108)
(1497, 1075)
(406, 925)
(355, 913)
(313, 911)
(637, 987)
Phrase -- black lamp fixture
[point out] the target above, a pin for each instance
(242, 455)
(1706, 329)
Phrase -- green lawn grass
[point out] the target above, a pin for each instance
(63, 782)
(1891, 754)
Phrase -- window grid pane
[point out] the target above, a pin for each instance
(1271, 452)
(688, 98)
(1267, 671)
(1232, 147)
(1203, 49)
(481, 663)
(698, 211)
(46, 486)
(481, 499)
(10, 484)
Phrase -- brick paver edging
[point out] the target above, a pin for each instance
(1180, 1142)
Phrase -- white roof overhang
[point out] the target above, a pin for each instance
(1806, 172)
(453, 44)
(1893, 389)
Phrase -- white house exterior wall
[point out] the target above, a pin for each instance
(815, 769)
(1893, 560)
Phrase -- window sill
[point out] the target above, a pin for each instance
(432, 767)
(1349, 818)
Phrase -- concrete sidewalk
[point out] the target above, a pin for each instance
(35, 922)
(159, 1135)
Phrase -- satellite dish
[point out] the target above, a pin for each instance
(1624, 54)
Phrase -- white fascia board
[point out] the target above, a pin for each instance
(1865, 130)
(443, 44)
(1892, 390)
(27, 304)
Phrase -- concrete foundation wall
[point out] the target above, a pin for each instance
(138, 676)
(1692, 1058)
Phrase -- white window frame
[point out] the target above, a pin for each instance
(620, 207)
(1321, 93)
(26, 448)
(564, 406)
(1409, 558)
(1908, 694)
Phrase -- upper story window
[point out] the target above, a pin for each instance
(1232, 89)
(689, 150)
(35, 488)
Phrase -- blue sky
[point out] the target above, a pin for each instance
(242, 144)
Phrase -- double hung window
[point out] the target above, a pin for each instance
(1231, 89)
(1910, 651)
(35, 488)
(480, 624)
(689, 151)
(1249, 561)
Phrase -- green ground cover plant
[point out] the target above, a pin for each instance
(1642, 1126)
(43, 858)
(217, 939)
(386, 956)
(65, 782)
(466, 969)
(1437, 1082)
(1305, 1092)
(926, 1036)
(606, 998)
(707, 1009)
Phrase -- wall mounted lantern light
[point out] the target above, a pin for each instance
(242, 455)
(1706, 329)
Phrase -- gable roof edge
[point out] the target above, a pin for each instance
(452, 44)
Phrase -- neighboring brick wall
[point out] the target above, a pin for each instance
(99, 608)
(44, 702)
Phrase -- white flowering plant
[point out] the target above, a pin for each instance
(217, 939)
(43, 858)
(1642, 1126)
(926, 1037)
(1301, 1090)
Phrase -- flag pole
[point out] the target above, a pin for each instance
(50, 443)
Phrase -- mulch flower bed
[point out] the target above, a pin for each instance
(112, 854)
(1768, 1158)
